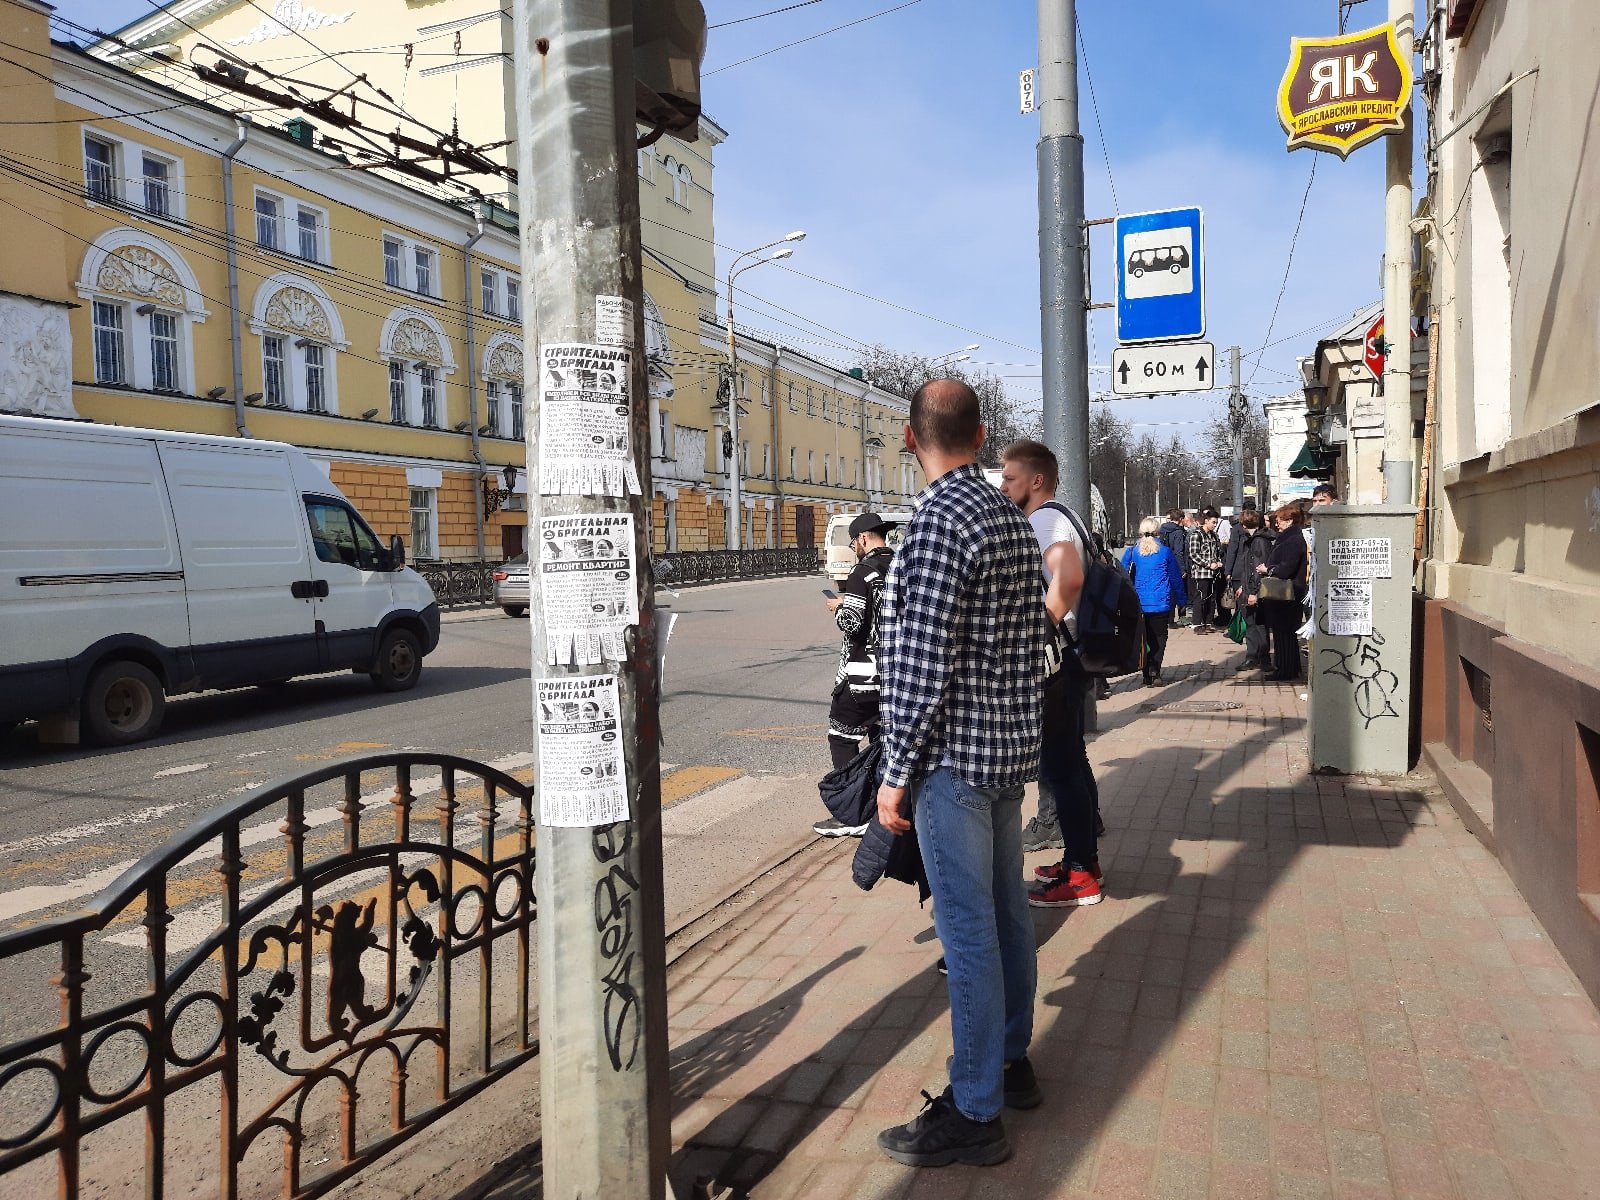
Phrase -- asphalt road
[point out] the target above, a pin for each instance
(748, 670)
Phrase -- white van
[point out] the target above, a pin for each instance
(840, 562)
(137, 564)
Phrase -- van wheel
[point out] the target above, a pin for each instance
(399, 661)
(514, 610)
(123, 703)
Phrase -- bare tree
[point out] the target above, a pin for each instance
(902, 374)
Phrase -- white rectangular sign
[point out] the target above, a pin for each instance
(582, 778)
(1152, 369)
(586, 590)
(1349, 607)
(585, 442)
(1025, 83)
(1362, 558)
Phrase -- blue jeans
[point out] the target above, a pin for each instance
(971, 842)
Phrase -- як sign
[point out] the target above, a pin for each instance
(1340, 93)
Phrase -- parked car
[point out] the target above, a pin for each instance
(511, 586)
(136, 564)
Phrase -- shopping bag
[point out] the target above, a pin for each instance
(1237, 627)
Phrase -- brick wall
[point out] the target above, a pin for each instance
(380, 494)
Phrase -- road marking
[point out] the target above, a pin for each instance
(188, 769)
(686, 781)
(782, 733)
(63, 837)
(705, 810)
(20, 901)
(254, 753)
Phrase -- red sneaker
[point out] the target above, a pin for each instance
(1079, 887)
(1054, 871)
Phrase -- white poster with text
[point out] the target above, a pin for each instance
(582, 779)
(586, 585)
(585, 439)
(1349, 607)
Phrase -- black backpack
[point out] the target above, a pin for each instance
(1110, 618)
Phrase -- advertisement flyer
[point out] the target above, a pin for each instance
(1349, 607)
(586, 584)
(582, 780)
(1362, 558)
(585, 444)
(613, 320)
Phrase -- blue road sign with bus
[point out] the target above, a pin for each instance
(1160, 281)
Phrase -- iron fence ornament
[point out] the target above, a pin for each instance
(270, 991)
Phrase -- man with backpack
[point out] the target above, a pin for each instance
(1067, 815)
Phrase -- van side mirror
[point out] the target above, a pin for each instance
(397, 552)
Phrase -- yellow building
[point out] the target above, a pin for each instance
(178, 266)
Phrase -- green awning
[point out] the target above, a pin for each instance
(1312, 463)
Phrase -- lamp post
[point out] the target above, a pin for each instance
(734, 523)
(954, 356)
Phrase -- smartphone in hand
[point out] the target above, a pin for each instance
(830, 593)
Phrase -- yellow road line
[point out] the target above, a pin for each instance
(686, 781)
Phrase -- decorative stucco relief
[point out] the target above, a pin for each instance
(35, 358)
(295, 310)
(136, 271)
(289, 17)
(505, 362)
(413, 339)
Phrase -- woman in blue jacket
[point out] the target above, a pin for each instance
(1158, 578)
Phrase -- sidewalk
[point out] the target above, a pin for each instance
(1297, 986)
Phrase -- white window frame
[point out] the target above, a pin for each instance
(125, 182)
(299, 355)
(115, 331)
(409, 248)
(491, 407)
(287, 228)
(517, 411)
(499, 293)
(429, 507)
(137, 351)
(170, 194)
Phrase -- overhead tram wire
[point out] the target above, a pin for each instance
(760, 16)
(813, 37)
(1288, 266)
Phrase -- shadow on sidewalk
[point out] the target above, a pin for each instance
(1153, 983)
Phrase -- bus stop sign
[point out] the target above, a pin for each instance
(1160, 280)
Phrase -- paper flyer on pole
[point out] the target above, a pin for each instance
(586, 586)
(613, 320)
(1362, 558)
(582, 780)
(1349, 607)
(585, 443)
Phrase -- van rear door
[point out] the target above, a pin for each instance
(246, 562)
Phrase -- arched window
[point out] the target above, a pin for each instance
(414, 345)
(143, 301)
(301, 336)
(502, 386)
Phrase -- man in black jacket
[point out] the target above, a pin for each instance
(853, 713)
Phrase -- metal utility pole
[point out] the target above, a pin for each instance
(1063, 315)
(1397, 439)
(1236, 421)
(602, 956)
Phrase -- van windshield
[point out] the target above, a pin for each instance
(340, 536)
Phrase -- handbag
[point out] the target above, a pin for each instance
(1238, 628)
(1273, 588)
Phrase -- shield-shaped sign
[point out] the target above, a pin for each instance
(1340, 93)
(1372, 349)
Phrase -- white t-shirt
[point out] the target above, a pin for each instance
(1050, 526)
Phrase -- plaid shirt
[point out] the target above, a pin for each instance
(964, 628)
(1204, 549)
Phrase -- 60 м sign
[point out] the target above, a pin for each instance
(1154, 368)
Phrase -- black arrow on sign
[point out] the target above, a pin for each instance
(1200, 368)
(1123, 371)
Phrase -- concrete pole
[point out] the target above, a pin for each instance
(731, 539)
(605, 1109)
(1397, 439)
(1236, 415)
(1063, 315)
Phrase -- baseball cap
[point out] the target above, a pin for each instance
(867, 522)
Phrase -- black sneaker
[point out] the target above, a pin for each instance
(1036, 836)
(940, 1135)
(940, 966)
(833, 827)
(1022, 1088)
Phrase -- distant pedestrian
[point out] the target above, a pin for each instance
(1067, 796)
(1158, 579)
(1285, 561)
(964, 641)
(1324, 493)
(1247, 550)
(853, 710)
(1205, 571)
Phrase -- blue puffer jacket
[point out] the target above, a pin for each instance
(1156, 577)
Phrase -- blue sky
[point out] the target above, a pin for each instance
(898, 146)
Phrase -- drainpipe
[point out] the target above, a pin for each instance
(229, 216)
(777, 449)
(472, 386)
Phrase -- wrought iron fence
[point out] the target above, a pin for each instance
(334, 960)
(457, 584)
(716, 566)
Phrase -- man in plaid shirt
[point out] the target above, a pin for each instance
(962, 658)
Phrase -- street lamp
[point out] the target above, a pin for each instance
(734, 523)
(954, 356)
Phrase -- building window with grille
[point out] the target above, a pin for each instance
(110, 349)
(267, 215)
(488, 280)
(391, 262)
(423, 263)
(397, 393)
(272, 377)
(428, 386)
(316, 378)
(164, 373)
(513, 298)
(310, 234)
(423, 522)
(491, 406)
(99, 169)
(514, 392)
(157, 186)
